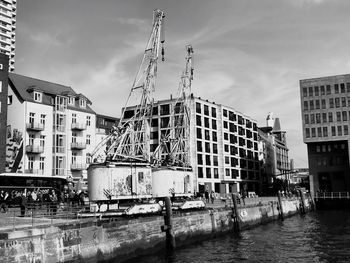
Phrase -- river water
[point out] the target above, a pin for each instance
(321, 236)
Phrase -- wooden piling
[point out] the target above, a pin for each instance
(302, 202)
(236, 224)
(280, 208)
(168, 225)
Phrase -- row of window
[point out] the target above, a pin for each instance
(59, 139)
(327, 161)
(326, 117)
(207, 160)
(323, 131)
(330, 148)
(206, 122)
(207, 147)
(332, 103)
(326, 90)
(233, 173)
(205, 110)
(43, 116)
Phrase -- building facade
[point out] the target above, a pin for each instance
(273, 156)
(8, 10)
(325, 108)
(3, 108)
(223, 144)
(51, 129)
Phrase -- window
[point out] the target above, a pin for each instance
(226, 148)
(41, 163)
(322, 90)
(198, 120)
(199, 133)
(313, 132)
(312, 118)
(330, 116)
(200, 172)
(317, 104)
(88, 120)
(306, 105)
(199, 159)
(42, 119)
(164, 122)
(325, 132)
(206, 110)
(207, 135)
(198, 107)
(227, 160)
(71, 101)
(345, 116)
(333, 131)
(324, 117)
(215, 138)
(88, 139)
(37, 96)
(199, 146)
(227, 172)
(346, 131)
(216, 173)
(328, 87)
(224, 112)
(82, 103)
(74, 118)
(340, 131)
(337, 102)
(31, 117)
(215, 160)
(323, 103)
(30, 163)
(207, 159)
(213, 112)
(74, 137)
(342, 88)
(206, 122)
(207, 147)
(331, 103)
(311, 104)
(9, 100)
(336, 88)
(338, 116)
(311, 91)
(316, 91)
(319, 132)
(318, 117)
(213, 124)
(42, 141)
(225, 124)
(225, 136)
(343, 101)
(307, 133)
(154, 123)
(208, 172)
(215, 148)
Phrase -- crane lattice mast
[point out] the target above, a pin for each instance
(175, 145)
(130, 140)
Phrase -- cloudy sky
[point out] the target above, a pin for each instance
(249, 54)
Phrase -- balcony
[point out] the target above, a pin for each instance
(59, 149)
(79, 126)
(58, 171)
(34, 171)
(78, 145)
(35, 126)
(59, 128)
(34, 149)
(78, 166)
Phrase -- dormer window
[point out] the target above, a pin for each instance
(38, 96)
(71, 101)
(82, 103)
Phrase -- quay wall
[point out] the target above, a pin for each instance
(124, 238)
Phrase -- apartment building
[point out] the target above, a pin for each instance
(223, 144)
(8, 10)
(273, 156)
(3, 108)
(325, 109)
(51, 129)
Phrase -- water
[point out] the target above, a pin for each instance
(322, 236)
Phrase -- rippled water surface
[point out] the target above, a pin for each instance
(322, 236)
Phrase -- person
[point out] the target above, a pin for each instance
(212, 196)
(54, 200)
(4, 202)
(23, 203)
(206, 195)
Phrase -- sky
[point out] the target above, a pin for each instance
(248, 54)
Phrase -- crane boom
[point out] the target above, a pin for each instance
(130, 140)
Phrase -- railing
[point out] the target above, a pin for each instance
(332, 195)
(78, 126)
(35, 126)
(78, 145)
(34, 149)
(78, 166)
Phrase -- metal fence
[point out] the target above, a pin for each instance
(332, 195)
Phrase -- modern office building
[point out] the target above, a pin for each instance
(3, 108)
(273, 156)
(325, 108)
(223, 145)
(8, 10)
(51, 129)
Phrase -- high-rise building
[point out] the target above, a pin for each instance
(3, 108)
(51, 128)
(8, 10)
(325, 108)
(223, 144)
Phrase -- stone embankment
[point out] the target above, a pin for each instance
(123, 238)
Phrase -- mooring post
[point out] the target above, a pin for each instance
(168, 224)
(280, 208)
(302, 202)
(235, 214)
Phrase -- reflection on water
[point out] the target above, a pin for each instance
(322, 236)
